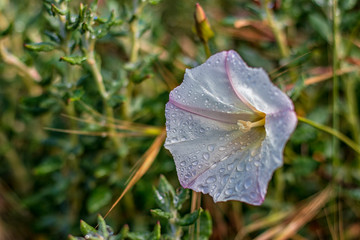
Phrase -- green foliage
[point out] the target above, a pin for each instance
(170, 203)
(82, 95)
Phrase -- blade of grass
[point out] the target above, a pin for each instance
(101, 134)
(333, 132)
(324, 76)
(299, 217)
(147, 159)
(129, 126)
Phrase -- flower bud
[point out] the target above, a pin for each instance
(202, 25)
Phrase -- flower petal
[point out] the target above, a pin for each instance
(206, 90)
(214, 157)
(255, 87)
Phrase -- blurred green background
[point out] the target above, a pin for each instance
(101, 73)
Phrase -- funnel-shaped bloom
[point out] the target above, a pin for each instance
(227, 126)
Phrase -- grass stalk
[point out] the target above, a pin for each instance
(335, 64)
(332, 132)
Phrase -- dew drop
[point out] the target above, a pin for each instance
(210, 180)
(222, 148)
(210, 147)
(248, 183)
(206, 156)
(194, 163)
(240, 167)
(228, 192)
(225, 179)
(182, 163)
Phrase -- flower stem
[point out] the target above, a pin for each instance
(333, 132)
(207, 49)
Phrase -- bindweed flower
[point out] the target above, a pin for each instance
(227, 126)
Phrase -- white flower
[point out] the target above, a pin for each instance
(227, 126)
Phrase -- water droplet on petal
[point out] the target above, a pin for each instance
(248, 183)
(206, 156)
(210, 147)
(228, 192)
(210, 180)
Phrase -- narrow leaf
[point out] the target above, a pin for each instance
(189, 219)
(86, 228)
(40, 47)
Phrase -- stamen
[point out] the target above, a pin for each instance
(245, 126)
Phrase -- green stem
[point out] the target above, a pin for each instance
(207, 49)
(335, 118)
(135, 45)
(101, 87)
(333, 132)
(279, 35)
(280, 188)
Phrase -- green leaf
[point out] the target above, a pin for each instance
(156, 234)
(102, 228)
(40, 47)
(321, 26)
(154, 2)
(51, 164)
(181, 197)
(57, 10)
(165, 186)
(164, 194)
(161, 214)
(86, 228)
(189, 218)
(160, 200)
(77, 60)
(123, 233)
(205, 225)
(99, 198)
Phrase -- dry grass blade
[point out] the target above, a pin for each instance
(299, 218)
(147, 159)
(324, 76)
(263, 223)
(100, 134)
(123, 125)
(287, 64)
